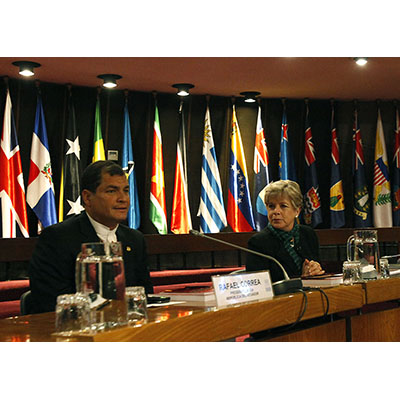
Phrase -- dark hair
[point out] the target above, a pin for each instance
(92, 175)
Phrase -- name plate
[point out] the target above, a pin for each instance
(242, 288)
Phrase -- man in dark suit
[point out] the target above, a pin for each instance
(105, 194)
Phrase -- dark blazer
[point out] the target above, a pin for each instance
(267, 243)
(52, 266)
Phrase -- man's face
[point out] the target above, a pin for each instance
(110, 203)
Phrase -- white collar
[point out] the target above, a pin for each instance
(104, 232)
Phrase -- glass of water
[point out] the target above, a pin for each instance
(384, 268)
(73, 314)
(351, 272)
(136, 304)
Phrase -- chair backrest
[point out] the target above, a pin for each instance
(26, 304)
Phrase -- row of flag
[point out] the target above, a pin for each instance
(242, 214)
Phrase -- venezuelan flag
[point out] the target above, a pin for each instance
(240, 213)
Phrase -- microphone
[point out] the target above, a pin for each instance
(285, 286)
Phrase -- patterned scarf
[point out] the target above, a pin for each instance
(290, 240)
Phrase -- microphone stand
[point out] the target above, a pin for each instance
(284, 286)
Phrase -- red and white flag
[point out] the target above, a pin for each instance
(14, 221)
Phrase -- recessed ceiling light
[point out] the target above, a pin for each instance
(361, 60)
(26, 67)
(109, 80)
(183, 88)
(250, 97)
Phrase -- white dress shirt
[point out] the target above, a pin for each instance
(104, 232)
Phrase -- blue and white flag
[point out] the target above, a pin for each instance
(261, 175)
(128, 165)
(40, 191)
(211, 209)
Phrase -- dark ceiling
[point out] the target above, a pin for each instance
(274, 77)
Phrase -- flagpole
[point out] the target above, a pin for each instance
(37, 84)
(39, 223)
(61, 188)
(307, 110)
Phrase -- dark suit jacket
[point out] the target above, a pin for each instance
(52, 266)
(265, 242)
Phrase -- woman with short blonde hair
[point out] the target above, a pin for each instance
(295, 246)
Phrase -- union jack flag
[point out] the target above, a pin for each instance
(13, 217)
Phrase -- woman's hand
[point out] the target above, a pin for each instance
(311, 268)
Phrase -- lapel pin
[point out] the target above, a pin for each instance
(128, 248)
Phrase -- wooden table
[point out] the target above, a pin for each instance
(381, 296)
(190, 323)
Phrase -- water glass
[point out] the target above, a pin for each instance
(385, 272)
(73, 314)
(351, 272)
(136, 304)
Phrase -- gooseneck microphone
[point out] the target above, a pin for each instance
(281, 287)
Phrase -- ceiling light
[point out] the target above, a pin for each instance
(183, 88)
(26, 67)
(250, 97)
(361, 60)
(110, 80)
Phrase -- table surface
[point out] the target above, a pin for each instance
(184, 322)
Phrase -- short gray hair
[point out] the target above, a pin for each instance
(286, 188)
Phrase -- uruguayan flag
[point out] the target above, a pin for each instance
(211, 210)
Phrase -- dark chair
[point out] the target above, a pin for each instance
(26, 304)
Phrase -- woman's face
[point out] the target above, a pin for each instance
(281, 213)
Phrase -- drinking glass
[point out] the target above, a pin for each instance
(384, 270)
(351, 272)
(73, 314)
(136, 304)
